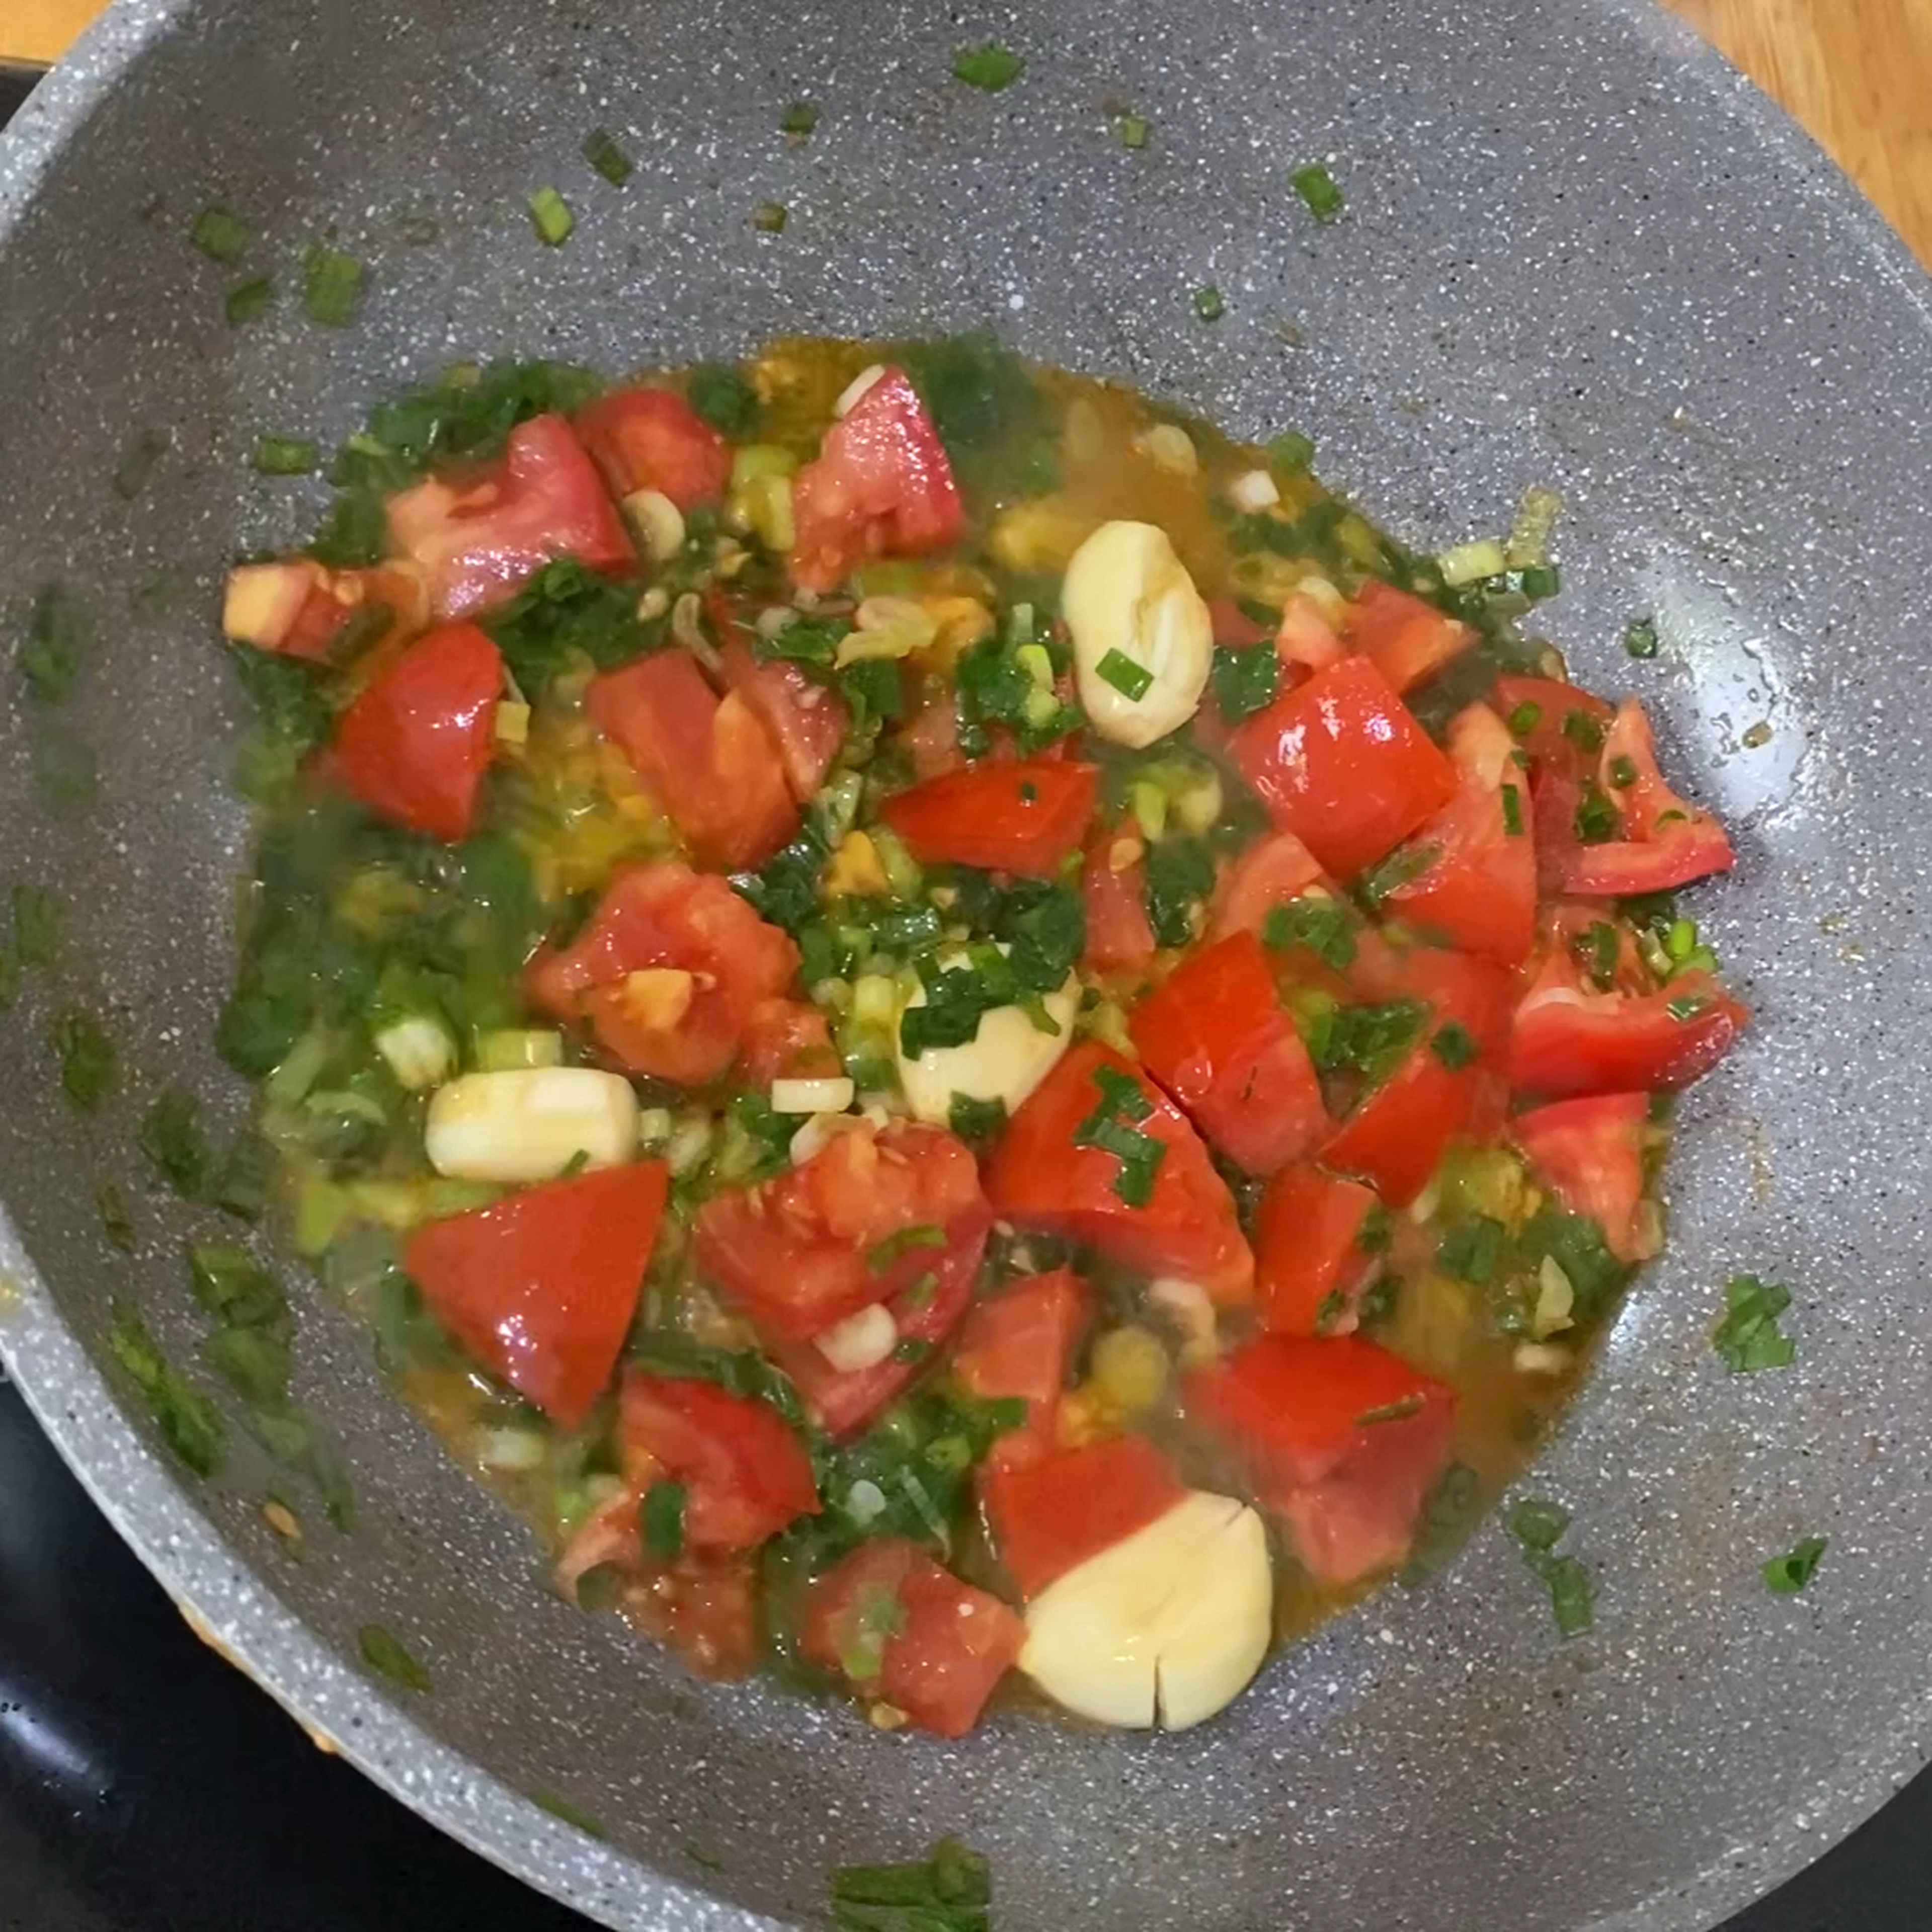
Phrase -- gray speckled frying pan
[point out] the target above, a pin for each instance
(1577, 251)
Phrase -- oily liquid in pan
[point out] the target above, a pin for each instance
(1114, 456)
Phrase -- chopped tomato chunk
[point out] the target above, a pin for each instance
(652, 439)
(905, 1632)
(1306, 638)
(881, 486)
(1341, 764)
(1119, 936)
(712, 765)
(415, 745)
(862, 1221)
(1665, 842)
(787, 1040)
(1555, 722)
(302, 609)
(1010, 815)
(1048, 1175)
(1478, 887)
(1311, 1265)
(807, 721)
(1215, 1036)
(1277, 868)
(669, 971)
(1406, 639)
(1591, 1153)
(1342, 1440)
(1397, 1136)
(540, 1287)
(1020, 1343)
(475, 545)
(745, 1475)
(1571, 1037)
(1048, 1515)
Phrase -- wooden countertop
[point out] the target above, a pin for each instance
(1857, 72)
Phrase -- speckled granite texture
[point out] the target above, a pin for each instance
(1577, 251)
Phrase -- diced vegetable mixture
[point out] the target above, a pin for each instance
(968, 1035)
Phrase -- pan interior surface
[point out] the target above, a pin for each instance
(1572, 255)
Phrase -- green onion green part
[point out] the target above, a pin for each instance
(1209, 305)
(550, 217)
(989, 66)
(1316, 187)
(286, 456)
(1132, 680)
(600, 149)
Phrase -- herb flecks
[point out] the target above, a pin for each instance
(1110, 1127)
(1748, 1338)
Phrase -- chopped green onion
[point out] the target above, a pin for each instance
(1315, 921)
(1686, 1006)
(1572, 1595)
(1131, 129)
(769, 217)
(87, 1057)
(1291, 451)
(1472, 1253)
(286, 456)
(1245, 677)
(248, 302)
(1584, 731)
(1599, 946)
(1541, 581)
(1785, 1575)
(190, 1424)
(1680, 939)
(1757, 736)
(883, 1254)
(383, 1652)
(1454, 1045)
(1132, 680)
(1316, 187)
(1209, 303)
(1108, 1127)
(1623, 773)
(331, 287)
(52, 654)
(990, 67)
(661, 1520)
(1524, 719)
(600, 149)
(1748, 1338)
(221, 235)
(800, 121)
(949, 1891)
(551, 217)
(1640, 637)
(978, 1123)
(1596, 820)
(36, 924)
(1512, 810)
(1537, 1524)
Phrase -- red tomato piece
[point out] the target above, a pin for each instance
(745, 1475)
(1341, 764)
(1310, 1266)
(1477, 994)
(807, 721)
(1570, 1038)
(1306, 639)
(1009, 815)
(1275, 869)
(1342, 1439)
(669, 972)
(651, 440)
(786, 1039)
(1396, 1136)
(1591, 1153)
(713, 766)
(1019, 1343)
(415, 745)
(1215, 1036)
(1479, 892)
(802, 1251)
(1233, 626)
(1407, 639)
(881, 486)
(1549, 736)
(1040, 1177)
(300, 609)
(475, 545)
(1119, 938)
(1049, 1515)
(910, 1634)
(926, 1312)
(1665, 843)
(541, 1286)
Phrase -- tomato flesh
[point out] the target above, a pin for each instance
(1041, 1177)
(1275, 870)
(1119, 937)
(540, 1287)
(1406, 639)
(1341, 764)
(806, 721)
(1310, 1266)
(1215, 1036)
(786, 1039)
(1020, 815)
(1590, 1152)
(415, 745)
(651, 440)
(1019, 1344)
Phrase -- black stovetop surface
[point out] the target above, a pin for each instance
(145, 1786)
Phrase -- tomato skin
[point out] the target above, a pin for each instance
(541, 1286)
(1020, 1343)
(1665, 843)
(1350, 1491)
(415, 745)
(1569, 1038)
(795, 1252)
(711, 763)
(667, 920)
(1048, 1515)
(786, 1039)
(1307, 1250)
(1276, 868)
(475, 545)
(1341, 763)
(1038, 1179)
(651, 440)
(746, 1474)
(953, 1645)
(1119, 938)
(1008, 815)
(1480, 894)
(1554, 699)
(1214, 1036)
(1406, 639)
(807, 721)
(1396, 1136)
(1590, 1152)
(880, 485)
